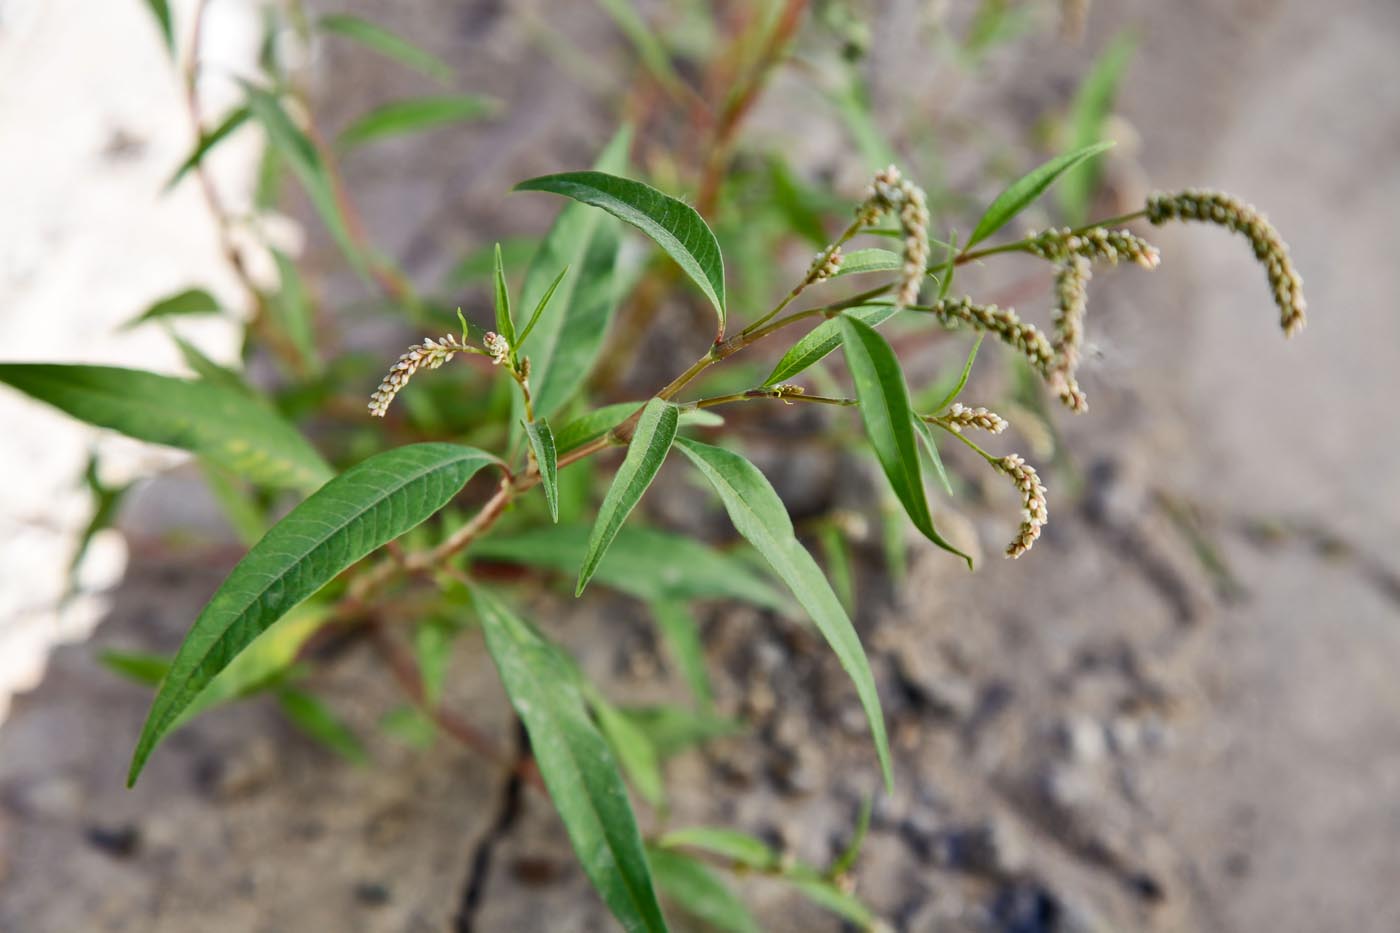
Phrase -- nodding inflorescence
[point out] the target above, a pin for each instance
(1005, 323)
(1071, 299)
(1034, 513)
(1097, 244)
(960, 416)
(429, 354)
(1269, 248)
(891, 192)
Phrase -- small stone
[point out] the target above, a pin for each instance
(372, 893)
(121, 841)
(992, 848)
(56, 798)
(1082, 739)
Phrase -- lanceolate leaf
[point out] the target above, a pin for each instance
(888, 417)
(542, 444)
(596, 423)
(207, 141)
(645, 454)
(417, 114)
(673, 224)
(700, 892)
(221, 424)
(386, 43)
(364, 508)
(1093, 103)
(1026, 189)
(577, 766)
(649, 564)
(821, 340)
(739, 848)
(298, 152)
(187, 302)
(316, 719)
(160, 9)
(759, 515)
(926, 435)
(505, 324)
(952, 394)
(632, 746)
(681, 634)
(564, 344)
(869, 260)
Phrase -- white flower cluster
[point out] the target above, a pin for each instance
(890, 191)
(429, 354)
(1034, 513)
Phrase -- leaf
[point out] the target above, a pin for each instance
(869, 260)
(673, 729)
(360, 510)
(649, 47)
(300, 154)
(759, 515)
(410, 725)
(593, 425)
(795, 202)
(632, 746)
(313, 717)
(821, 340)
(160, 9)
(577, 766)
(565, 343)
(673, 225)
(292, 306)
(542, 446)
(241, 512)
(698, 891)
(480, 263)
(952, 394)
(379, 39)
(926, 435)
(838, 563)
(415, 115)
(207, 370)
(207, 141)
(505, 324)
(187, 302)
(824, 893)
(847, 859)
(432, 647)
(647, 563)
(1093, 103)
(228, 428)
(1026, 189)
(648, 448)
(137, 666)
(543, 303)
(888, 415)
(739, 848)
(681, 634)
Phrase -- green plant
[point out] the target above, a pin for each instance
(374, 533)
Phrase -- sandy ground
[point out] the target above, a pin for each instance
(1103, 736)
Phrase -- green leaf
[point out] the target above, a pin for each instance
(673, 729)
(648, 45)
(888, 415)
(795, 202)
(821, 340)
(505, 324)
(410, 725)
(188, 302)
(869, 260)
(416, 114)
(207, 370)
(847, 859)
(1026, 189)
(226, 427)
(432, 647)
(1093, 103)
(569, 336)
(649, 564)
(360, 510)
(300, 154)
(700, 892)
(650, 443)
(313, 717)
(577, 766)
(739, 848)
(136, 666)
(673, 225)
(543, 303)
(593, 425)
(681, 634)
(234, 500)
(952, 394)
(542, 445)
(838, 563)
(826, 894)
(632, 746)
(294, 312)
(379, 39)
(207, 141)
(926, 435)
(759, 515)
(160, 9)
(481, 263)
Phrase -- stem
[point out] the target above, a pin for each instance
(817, 265)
